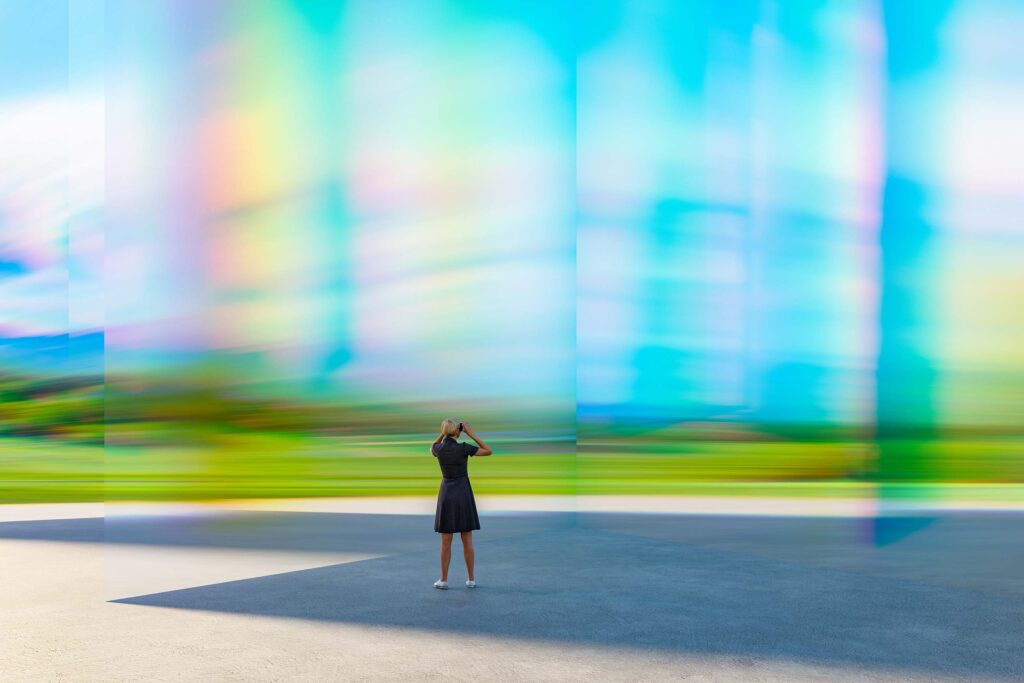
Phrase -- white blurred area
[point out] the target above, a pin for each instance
(51, 176)
(52, 138)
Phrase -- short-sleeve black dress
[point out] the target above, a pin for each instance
(456, 507)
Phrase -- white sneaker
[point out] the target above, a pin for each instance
(470, 584)
(443, 585)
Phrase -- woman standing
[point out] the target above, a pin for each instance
(456, 507)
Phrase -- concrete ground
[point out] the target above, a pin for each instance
(341, 590)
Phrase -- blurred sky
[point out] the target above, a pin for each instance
(51, 178)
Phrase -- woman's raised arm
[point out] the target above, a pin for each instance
(484, 449)
(438, 440)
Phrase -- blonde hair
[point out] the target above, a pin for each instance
(450, 427)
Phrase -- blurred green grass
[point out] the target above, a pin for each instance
(194, 435)
(260, 465)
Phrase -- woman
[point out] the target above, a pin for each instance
(456, 508)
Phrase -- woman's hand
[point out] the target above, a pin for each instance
(484, 448)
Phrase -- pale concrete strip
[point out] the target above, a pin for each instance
(709, 505)
(728, 505)
(653, 504)
(424, 505)
(785, 506)
(145, 508)
(658, 504)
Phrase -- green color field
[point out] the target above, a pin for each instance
(265, 466)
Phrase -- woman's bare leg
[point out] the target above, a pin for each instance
(446, 555)
(467, 551)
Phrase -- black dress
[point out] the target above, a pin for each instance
(456, 507)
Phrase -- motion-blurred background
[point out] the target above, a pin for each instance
(749, 248)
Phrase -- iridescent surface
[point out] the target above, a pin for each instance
(263, 248)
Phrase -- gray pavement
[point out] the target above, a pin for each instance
(729, 598)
